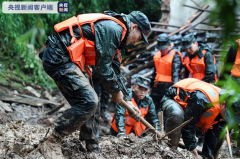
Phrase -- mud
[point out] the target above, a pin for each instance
(18, 139)
(22, 129)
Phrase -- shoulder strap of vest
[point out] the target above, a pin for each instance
(158, 55)
(238, 41)
(180, 54)
(183, 84)
(134, 102)
(204, 52)
(192, 84)
(93, 17)
(187, 64)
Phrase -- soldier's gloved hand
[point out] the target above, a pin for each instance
(137, 113)
(121, 134)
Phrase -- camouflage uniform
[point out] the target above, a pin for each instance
(120, 111)
(210, 66)
(102, 94)
(161, 88)
(75, 85)
(197, 104)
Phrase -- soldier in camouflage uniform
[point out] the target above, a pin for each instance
(74, 84)
(170, 69)
(121, 124)
(200, 51)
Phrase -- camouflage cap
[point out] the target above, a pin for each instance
(144, 82)
(142, 21)
(187, 41)
(163, 41)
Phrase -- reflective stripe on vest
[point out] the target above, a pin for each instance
(163, 66)
(130, 123)
(212, 92)
(236, 66)
(82, 51)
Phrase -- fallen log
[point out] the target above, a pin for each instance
(136, 70)
(55, 109)
(188, 23)
(164, 24)
(190, 27)
(24, 83)
(25, 99)
(201, 9)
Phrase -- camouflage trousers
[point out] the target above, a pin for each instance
(173, 116)
(102, 93)
(78, 91)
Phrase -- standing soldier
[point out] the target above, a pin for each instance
(167, 69)
(122, 123)
(200, 61)
(88, 39)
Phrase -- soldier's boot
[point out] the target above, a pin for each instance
(103, 114)
(51, 147)
(82, 147)
(200, 141)
(174, 139)
(92, 146)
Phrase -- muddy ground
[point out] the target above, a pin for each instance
(23, 126)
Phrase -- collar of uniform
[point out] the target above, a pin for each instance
(127, 23)
(199, 53)
(135, 98)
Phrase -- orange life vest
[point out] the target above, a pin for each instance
(163, 66)
(197, 66)
(236, 67)
(212, 92)
(82, 51)
(130, 123)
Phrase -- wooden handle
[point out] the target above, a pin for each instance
(229, 143)
(142, 120)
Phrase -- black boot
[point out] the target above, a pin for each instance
(92, 146)
(200, 141)
(104, 115)
(81, 147)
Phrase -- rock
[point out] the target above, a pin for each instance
(46, 121)
(64, 108)
(32, 92)
(46, 95)
(4, 118)
(15, 92)
(6, 106)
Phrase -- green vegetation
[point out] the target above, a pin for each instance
(227, 12)
(22, 36)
